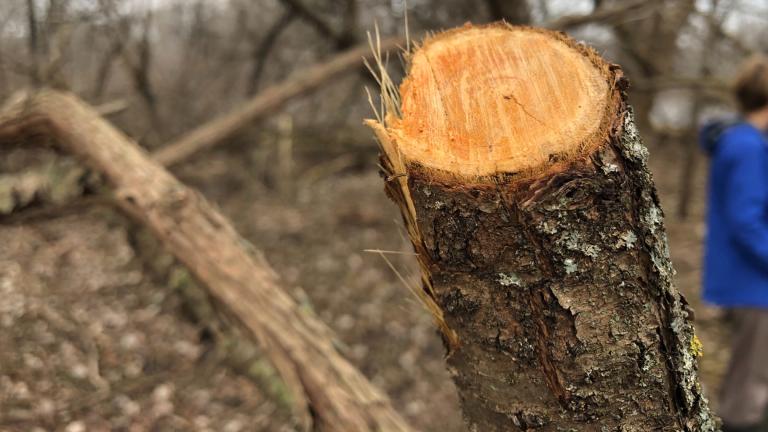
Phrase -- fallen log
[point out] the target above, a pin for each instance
(328, 392)
(524, 187)
(219, 129)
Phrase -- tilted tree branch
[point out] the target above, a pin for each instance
(217, 130)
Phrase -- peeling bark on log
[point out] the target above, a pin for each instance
(540, 237)
(329, 394)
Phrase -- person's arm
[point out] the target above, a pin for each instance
(746, 197)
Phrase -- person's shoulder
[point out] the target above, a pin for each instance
(742, 139)
(742, 131)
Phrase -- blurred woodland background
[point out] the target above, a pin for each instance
(102, 330)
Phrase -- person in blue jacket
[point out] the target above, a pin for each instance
(736, 248)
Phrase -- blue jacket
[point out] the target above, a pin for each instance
(736, 256)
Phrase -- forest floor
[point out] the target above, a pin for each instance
(92, 340)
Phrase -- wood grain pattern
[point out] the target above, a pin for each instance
(483, 100)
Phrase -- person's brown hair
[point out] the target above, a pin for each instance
(751, 86)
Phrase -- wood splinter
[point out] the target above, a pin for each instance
(524, 187)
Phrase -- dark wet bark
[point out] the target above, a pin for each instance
(560, 291)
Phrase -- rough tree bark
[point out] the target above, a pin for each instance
(523, 184)
(329, 393)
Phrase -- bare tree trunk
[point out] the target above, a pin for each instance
(105, 69)
(511, 11)
(690, 145)
(137, 58)
(349, 25)
(690, 158)
(329, 394)
(540, 236)
(264, 48)
(33, 43)
(342, 39)
(141, 66)
(651, 46)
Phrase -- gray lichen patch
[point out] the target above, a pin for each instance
(627, 240)
(608, 161)
(653, 218)
(572, 241)
(591, 250)
(570, 266)
(547, 228)
(509, 279)
(631, 144)
(437, 205)
(610, 168)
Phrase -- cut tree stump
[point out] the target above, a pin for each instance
(328, 392)
(524, 187)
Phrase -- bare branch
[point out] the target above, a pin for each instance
(716, 26)
(263, 49)
(33, 43)
(342, 39)
(220, 128)
(323, 28)
(602, 14)
(663, 82)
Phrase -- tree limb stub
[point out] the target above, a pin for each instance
(217, 130)
(328, 392)
(524, 188)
